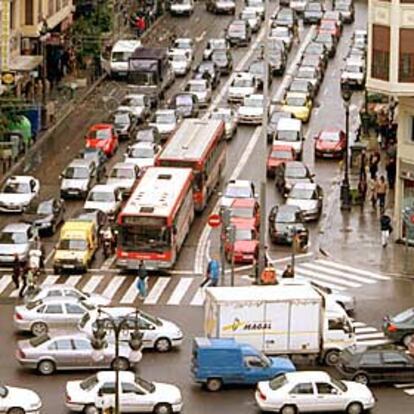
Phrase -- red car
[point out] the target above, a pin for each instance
(330, 26)
(245, 209)
(246, 243)
(278, 155)
(102, 136)
(330, 143)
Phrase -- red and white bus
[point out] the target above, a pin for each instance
(199, 145)
(156, 219)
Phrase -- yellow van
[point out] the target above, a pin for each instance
(77, 246)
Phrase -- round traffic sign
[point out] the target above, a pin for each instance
(214, 220)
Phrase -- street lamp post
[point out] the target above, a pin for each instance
(106, 322)
(345, 188)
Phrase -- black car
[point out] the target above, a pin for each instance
(318, 49)
(376, 364)
(313, 13)
(208, 69)
(289, 173)
(148, 134)
(45, 215)
(257, 68)
(185, 104)
(125, 124)
(285, 17)
(238, 33)
(284, 223)
(223, 60)
(273, 121)
(329, 41)
(304, 86)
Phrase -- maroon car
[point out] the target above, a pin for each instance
(330, 143)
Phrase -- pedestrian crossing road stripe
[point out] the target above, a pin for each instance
(113, 286)
(180, 291)
(353, 269)
(92, 284)
(156, 291)
(4, 282)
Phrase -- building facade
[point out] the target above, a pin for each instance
(391, 72)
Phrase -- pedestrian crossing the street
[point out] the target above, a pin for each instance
(184, 290)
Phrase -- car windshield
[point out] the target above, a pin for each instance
(242, 83)
(38, 340)
(182, 44)
(76, 173)
(197, 87)
(286, 216)
(151, 318)
(13, 237)
(89, 383)
(103, 133)
(101, 196)
(290, 136)
(134, 101)
(254, 3)
(301, 193)
(183, 100)
(295, 101)
(295, 171)
(120, 119)
(314, 7)
(254, 102)
(237, 29)
(237, 192)
(353, 69)
(146, 385)
(178, 57)
(330, 136)
(120, 56)
(281, 154)
(244, 234)
(404, 316)
(248, 14)
(73, 244)
(245, 212)
(306, 73)
(221, 116)
(16, 188)
(3, 391)
(340, 384)
(45, 207)
(141, 152)
(324, 38)
(122, 173)
(278, 382)
(165, 119)
(342, 6)
(219, 56)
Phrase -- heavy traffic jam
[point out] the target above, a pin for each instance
(149, 173)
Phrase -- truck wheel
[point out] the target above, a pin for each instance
(331, 357)
(214, 384)
(354, 408)
(288, 409)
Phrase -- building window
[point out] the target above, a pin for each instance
(50, 7)
(406, 62)
(380, 66)
(12, 15)
(28, 9)
(406, 1)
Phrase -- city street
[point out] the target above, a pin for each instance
(332, 258)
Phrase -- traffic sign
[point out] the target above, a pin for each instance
(214, 220)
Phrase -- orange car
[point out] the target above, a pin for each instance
(102, 136)
(245, 246)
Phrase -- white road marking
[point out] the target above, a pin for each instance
(198, 298)
(113, 286)
(157, 290)
(180, 290)
(108, 262)
(318, 276)
(49, 256)
(4, 282)
(324, 283)
(355, 270)
(409, 392)
(201, 37)
(365, 330)
(72, 280)
(131, 294)
(404, 385)
(92, 284)
(50, 280)
(373, 342)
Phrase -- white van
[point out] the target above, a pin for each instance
(120, 54)
(289, 132)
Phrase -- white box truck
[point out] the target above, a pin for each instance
(122, 50)
(292, 320)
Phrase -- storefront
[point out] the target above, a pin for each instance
(406, 182)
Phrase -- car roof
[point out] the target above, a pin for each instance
(104, 188)
(243, 202)
(12, 227)
(20, 179)
(164, 112)
(305, 185)
(80, 162)
(109, 376)
(123, 165)
(117, 311)
(296, 94)
(61, 300)
(243, 223)
(299, 376)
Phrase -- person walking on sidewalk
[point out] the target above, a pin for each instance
(381, 190)
(212, 273)
(16, 271)
(391, 169)
(23, 276)
(386, 229)
(372, 186)
(374, 161)
(142, 281)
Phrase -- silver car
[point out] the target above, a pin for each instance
(71, 351)
(16, 238)
(41, 316)
(78, 178)
(308, 197)
(106, 198)
(229, 117)
(124, 176)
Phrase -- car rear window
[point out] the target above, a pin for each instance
(278, 382)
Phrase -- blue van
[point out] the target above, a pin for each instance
(216, 362)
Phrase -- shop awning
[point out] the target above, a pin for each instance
(25, 63)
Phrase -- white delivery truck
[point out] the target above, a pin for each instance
(122, 50)
(280, 319)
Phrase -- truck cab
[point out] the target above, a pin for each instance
(120, 54)
(218, 362)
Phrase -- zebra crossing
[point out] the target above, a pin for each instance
(182, 290)
(406, 388)
(368, 335)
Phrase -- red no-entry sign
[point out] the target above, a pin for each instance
(214, 220)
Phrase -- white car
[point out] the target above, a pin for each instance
(214, 44)
(312, 391)
(202, 89)
(182, 7)
(284, 34)
(160, 334)
(251, 112)
(14, 400)
(252, 17)
(18, 192)
(137, 104)
(166, 121)
(298, 5)
(106, 198)
(237, 189)
(62, 291)
(354, 73)
(184, 43)
(229, 117)
(309, 198)
(124, 176)
(180, 61)
(258, 5)
(142, 154)
(243, 84)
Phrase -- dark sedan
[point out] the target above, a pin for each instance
(223, 60)
(208, 69)
(284, 223)
(400, 328)
(375, 364)
(45, 215)
(290, 173)
(185, 104)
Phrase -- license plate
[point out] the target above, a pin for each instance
(328, 155)
(68, 266)
(72, 191)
